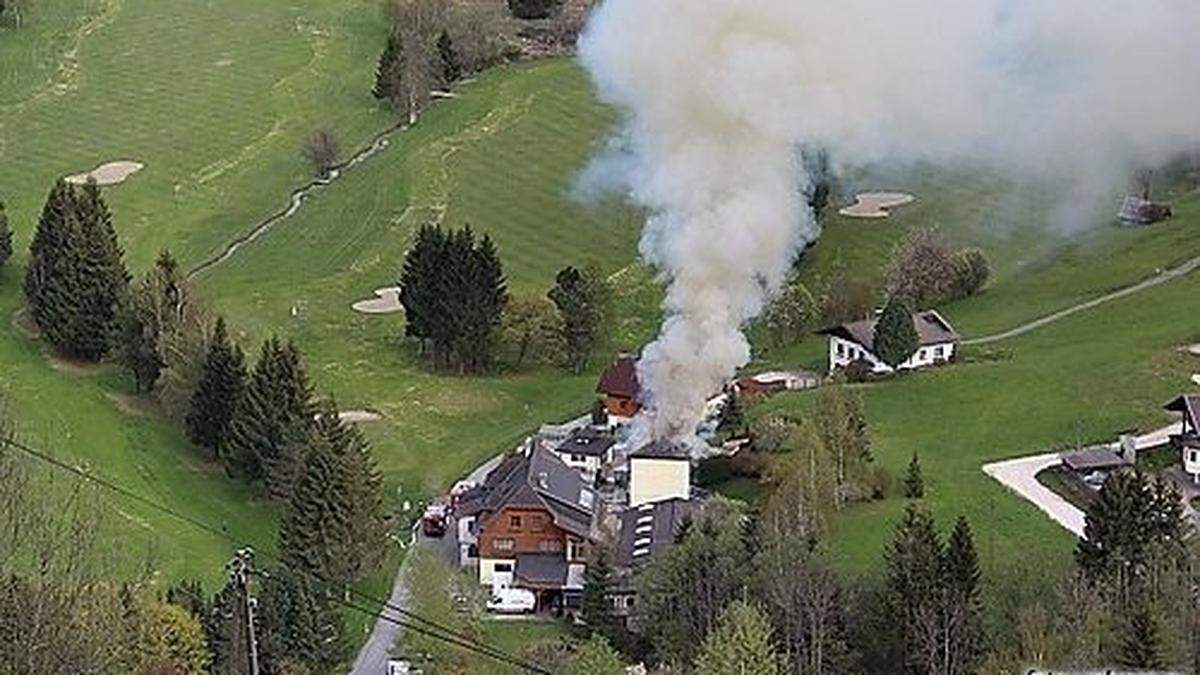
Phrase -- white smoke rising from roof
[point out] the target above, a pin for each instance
(719, 94)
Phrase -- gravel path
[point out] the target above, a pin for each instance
(1160, 278)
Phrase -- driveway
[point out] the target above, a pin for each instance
(1019, 475)
(373, 657)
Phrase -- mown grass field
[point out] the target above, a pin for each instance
(215, 99)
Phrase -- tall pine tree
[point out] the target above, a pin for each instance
(273, 421)
(334, 523)
(962, 646)
(152, 308)
(76, 276)
(895, 334)
(389, 69)
(596, 610)
(913, 586)
(218, 394)
(300, 622)
(581, 298)
(6, 237)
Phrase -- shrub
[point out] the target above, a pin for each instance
(922, 271)
(971, 272)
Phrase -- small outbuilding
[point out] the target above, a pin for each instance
(619, 388)
(1188, 438)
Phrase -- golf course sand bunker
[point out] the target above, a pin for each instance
(111, 173)
(386, 301)
(876, 204)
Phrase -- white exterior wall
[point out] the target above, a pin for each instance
(1191, 463)
(844, 352)
(466, 538)
(489, 576)
(588, 464)
(654, 479)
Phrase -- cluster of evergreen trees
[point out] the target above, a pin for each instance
(413, 65)
(76, 276)
(454, 294)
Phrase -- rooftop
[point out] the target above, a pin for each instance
(932, 329)
(538, 479)
(651, 528)
(620, 378)
(587, 441)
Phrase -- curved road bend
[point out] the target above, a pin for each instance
(1160, 278)
(372, 659)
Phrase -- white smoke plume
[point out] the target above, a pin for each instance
(719, 95)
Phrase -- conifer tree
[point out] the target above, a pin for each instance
(334, 522)
(486, 296)
(582, 300)
(300, 623)
(741, 645)
(596, 609)
(389, 69)
(913, 585)
(895, 335)
(962, 613)
(219, 392)
(273, 420)
(418, 281)
(151, 309)
(448, 55)
(76, 276)
(914, 482)
(1142, 645)
(6, 237)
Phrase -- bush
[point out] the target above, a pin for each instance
(922, 272)
(971, 272)
(532, 9)
(879, 483)
(770, 433)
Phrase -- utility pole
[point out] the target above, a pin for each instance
(240, 569)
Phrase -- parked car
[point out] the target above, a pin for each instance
(512, 601)
(436, 517)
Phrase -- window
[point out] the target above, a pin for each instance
(581, 459)
(504, 544)
(502, 567)
(514, 521)
(1192, 456)
(841, 349)
(550, 546)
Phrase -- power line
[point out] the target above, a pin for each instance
(434, 630)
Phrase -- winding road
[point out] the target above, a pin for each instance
(1161, 278)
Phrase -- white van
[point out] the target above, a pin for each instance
(512, 601)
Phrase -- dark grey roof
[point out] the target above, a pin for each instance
(542, 569)
(648, 530)
(587, 441)
(537, 480)
(1188, 404)
(932, 329)
(1091, 459)
(662, 450)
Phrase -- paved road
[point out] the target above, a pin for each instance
(1019, 475)
(373, 657)
(1160, 278)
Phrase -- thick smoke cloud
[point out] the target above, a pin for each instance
(719, 94)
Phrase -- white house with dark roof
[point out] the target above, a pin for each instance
(1188, 438)
(587, 449)
(855, 342)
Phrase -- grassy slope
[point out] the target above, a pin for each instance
(500, 157)
(1087, 377)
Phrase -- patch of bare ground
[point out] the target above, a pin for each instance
(138, 406)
